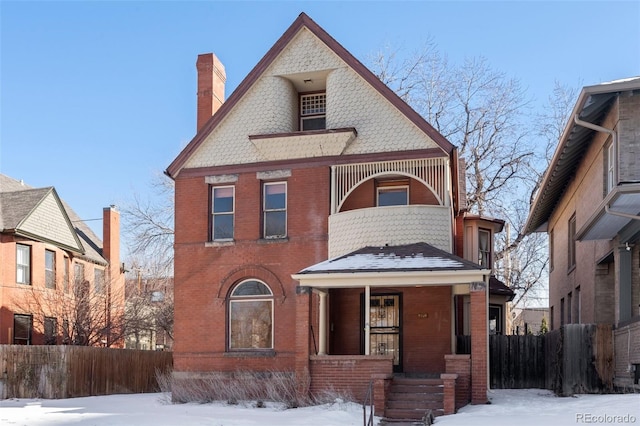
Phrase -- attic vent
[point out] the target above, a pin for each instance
(313, 109)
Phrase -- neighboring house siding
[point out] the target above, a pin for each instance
(629, 140)
(581, 197)
(19, 298)
(47, 220)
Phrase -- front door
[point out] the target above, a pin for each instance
(385, 322)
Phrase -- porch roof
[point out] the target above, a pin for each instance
(402, 265)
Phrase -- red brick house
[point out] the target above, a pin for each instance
(320, 230)
(59, 283)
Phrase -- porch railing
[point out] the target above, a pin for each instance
(367, 405)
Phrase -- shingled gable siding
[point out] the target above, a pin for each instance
(382, 129)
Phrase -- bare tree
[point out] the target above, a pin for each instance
(149, 310)
(148, 225)
(488, 116)
(86, 316)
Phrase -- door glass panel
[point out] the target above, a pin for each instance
(385, 326)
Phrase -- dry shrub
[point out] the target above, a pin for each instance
(239, 387)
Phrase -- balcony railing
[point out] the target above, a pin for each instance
(432, 172)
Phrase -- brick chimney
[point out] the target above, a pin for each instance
(111, 252)
(111, 235)
(211, 79)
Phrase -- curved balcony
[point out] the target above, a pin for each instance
(393, 225)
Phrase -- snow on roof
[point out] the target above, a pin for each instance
(410, 257)
(384, 261)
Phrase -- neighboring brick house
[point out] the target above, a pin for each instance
(589, 204)
(49, 259)
(320, 229)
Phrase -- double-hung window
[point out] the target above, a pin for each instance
(23, 264)
(611, 164)
(484, 248)
(274, 209)
(571, 255)
(222, 212)
(50, 331)
(50, 268)
(65, 276)
(21, 329)
(251, 316)
(313, 110)
(98, 280)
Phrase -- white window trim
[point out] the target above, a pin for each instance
(611, 168)
(387, 188)
(265, 211)
(488, 251)
(52, 270)
(232, 213)
(25, 267)
(252, 298)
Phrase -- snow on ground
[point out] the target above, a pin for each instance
(508, 407)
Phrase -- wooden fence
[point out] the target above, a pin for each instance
(577, 358)
(73, 371)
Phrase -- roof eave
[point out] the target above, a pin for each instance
(537, 220)
(301, 22)
(395, 278)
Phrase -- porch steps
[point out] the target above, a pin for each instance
(410, 400)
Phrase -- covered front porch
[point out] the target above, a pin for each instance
(385, 312)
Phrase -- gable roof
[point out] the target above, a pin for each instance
(304, 21)
(592, 106)
(22, 209)
(38, 214)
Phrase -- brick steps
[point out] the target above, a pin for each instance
(410, 400)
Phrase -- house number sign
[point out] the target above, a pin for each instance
(423, 315)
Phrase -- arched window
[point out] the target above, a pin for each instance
(251, 316)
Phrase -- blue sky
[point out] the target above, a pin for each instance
(97, 97)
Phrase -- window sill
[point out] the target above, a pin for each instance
(259, 353)
(273, 240)
(571, 269)
(220, 243)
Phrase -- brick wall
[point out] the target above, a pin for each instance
(460, 365)
(205, 273)
(627, 353)
(426, 325)
(479, 344)
(348, 374)
(629, 138)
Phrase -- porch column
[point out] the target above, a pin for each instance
(479, 343)
(322, 327)
(302, 339)
(367, 318)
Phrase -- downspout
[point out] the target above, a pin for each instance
(612, 133)
(621, 214)
(614, 138)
